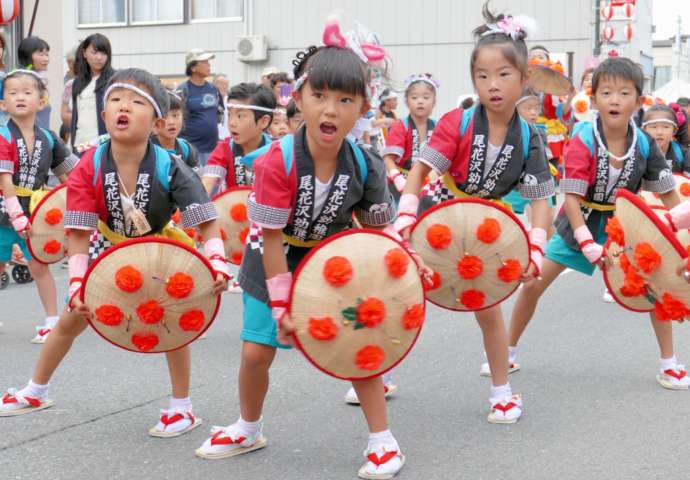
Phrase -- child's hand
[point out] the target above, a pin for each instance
(531, 274)
(286, 329)
(79, 309)
(220, 284)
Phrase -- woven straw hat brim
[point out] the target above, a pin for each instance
(682, 188)
(547, 80)
(157, 259)
(463, 216)
(313, 298)
(43, 235)
(232, 230)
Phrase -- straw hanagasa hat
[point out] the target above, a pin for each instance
(47, 242)
(233, 222)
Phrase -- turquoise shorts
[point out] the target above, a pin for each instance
(258, 325)
(8, 237)
(518, 202)
(558, 251)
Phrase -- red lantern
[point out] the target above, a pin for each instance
(607, 13)
(9, 10)
(628, 32)
(608, 33)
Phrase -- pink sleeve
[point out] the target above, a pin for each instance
(270, 204)
(443, 145)
(9, 162)
(81, 211)
(579, 168)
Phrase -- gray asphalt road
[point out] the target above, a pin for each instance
(592, 407)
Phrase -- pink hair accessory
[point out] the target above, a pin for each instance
(680, 115)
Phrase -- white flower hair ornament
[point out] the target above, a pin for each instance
(517, 27)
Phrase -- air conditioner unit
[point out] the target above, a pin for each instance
(252, 48)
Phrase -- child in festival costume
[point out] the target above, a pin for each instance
(294, 116)
(407, 137)
(97, 196)
(279, 124)
(332, 93)
(664, 125)
(486, 152)
(168, 135)
(604, 156)
(250, 112)
(28, 154)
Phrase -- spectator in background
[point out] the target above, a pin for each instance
(266, 75)
(222, 83)
(204, 105)
(277, 81)
(33, 53)
(70, 59)
(83, 98)
(4, 117)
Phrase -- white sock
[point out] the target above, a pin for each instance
(667, 363)
(512, 354)
(34, 390)
(500, 392)
(250, 428)
(51, 321)
(184, 404)
(381, 438)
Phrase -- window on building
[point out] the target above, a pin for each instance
(156, 11)
(209, 10)
(101, 12)
(662, 75)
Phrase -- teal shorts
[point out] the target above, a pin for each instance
(518, 202)
(258, 325)
(8, 237)
(558, 251)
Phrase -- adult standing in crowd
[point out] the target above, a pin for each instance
(85, 92)
(70, 58)
(222, 83)
(204, 104)
(266, 75)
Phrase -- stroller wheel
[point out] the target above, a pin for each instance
(21, 274)
(4, 280)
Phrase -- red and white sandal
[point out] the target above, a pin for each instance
(14, 403)
(174, 423)
(383, 462)
(41, 335)
(389, 389)
(675, 378)
(507, 410)
(230, 441)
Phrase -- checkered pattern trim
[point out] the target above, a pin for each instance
(80, 220)
(66, 165)
(215, 171)
(539, 191)
(573, 185)
(434, 159)
(7, 166)
(97, 245)
(197, 214)
(269, 217)
(255, 239)
(377, 215)
(438, 192)
(393, 150)
(663, 185)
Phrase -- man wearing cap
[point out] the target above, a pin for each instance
(266, 75)
(203, 104)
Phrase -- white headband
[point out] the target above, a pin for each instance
(659, 120)
(138, 91)
(25, 72)
(525, 98)
(242, 106)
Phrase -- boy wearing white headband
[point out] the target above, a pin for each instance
(127, 187)
(666, 125)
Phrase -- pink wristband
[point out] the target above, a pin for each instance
(76, 268)
(582, 233)
(409, 203)
(215, 252)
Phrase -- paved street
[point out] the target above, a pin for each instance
(592, 407)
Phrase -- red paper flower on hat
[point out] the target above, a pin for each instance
(145, 341)
(472, 299)
(370, 312)
(413, 317)
(369, 357)
(223, 234)
(242, 236)
(150, 312)
(236, 257)
(396, 261)
(615, 231)
(238, 212)
(337, 271)
(179, 285)
(176, 216)
(192, 320)
(323, 328)
(510, 271)
(128, 279)
(53, 216)
(109, 315)
(670, 308)
(470, 266)
(438, 236)
(646, 257)
(435, 282)
(633, 284)
(684, 189)
(624, 261)
(51, 247)
(581, 106)
(489, 230)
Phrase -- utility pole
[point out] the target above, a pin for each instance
(597, 28)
